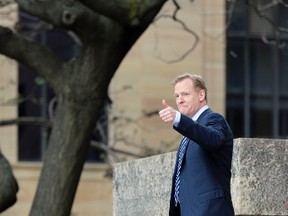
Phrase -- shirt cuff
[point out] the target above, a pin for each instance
(177, 118)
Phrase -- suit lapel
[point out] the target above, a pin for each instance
(207, 111)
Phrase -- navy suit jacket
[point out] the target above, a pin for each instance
(205, 173)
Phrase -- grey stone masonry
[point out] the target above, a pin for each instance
(259, 183)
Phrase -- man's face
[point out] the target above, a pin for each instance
(188, 100)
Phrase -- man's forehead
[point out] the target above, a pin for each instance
(185, 84)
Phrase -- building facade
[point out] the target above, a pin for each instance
(246, 80)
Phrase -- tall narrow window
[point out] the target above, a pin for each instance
(257, 69)
(36, 95)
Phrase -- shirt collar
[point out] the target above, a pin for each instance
(199, 112)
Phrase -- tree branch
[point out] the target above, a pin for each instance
(260, 12)
(5, 2)
(19, 48)
(127, 12)
(65, 15)
(111, 151)
(27, 121)
(185, 28)
(95, 14)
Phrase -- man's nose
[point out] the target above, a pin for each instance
(180, 99)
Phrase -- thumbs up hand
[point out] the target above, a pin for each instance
(168, 113)
(165, 104)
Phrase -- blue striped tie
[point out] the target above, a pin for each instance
(179, 163)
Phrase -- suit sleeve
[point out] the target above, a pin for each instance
(211, 133)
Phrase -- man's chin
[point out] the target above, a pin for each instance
(183, 112)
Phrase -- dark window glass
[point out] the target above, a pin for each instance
(236, 17)
(235, 117)
(261, 123)
(235, 59)
(261, 19)
(261, 64)
(235, 85)
(36, 95)
(282, 18)
(283, 123)
(32, 139)
(256, 63)
(283, 73)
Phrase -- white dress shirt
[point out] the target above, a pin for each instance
(194, 118)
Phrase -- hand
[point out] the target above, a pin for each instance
(168, 113)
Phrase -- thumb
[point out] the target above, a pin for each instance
(164, 103)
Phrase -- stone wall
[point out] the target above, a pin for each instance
(260, 177)
(259, 183)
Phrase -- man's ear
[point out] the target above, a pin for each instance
(202, 95)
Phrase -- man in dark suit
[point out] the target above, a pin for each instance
(201, 179)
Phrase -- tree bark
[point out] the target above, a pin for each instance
(79, 104)
(80, 84)
(65, 157)
(8, 185)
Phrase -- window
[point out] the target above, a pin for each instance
(36, 95)
(256, 69)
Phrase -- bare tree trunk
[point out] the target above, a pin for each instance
(65, 158)
(8, 185)
(106, 30)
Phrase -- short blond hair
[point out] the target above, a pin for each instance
(198, 82)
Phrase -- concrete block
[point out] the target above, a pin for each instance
(142, 187)
(259, 183)
(260, 177)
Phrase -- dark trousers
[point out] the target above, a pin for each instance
(178, 211)
(174, 210)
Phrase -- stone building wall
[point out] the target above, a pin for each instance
(139, 85)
